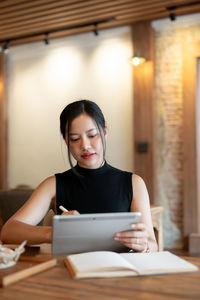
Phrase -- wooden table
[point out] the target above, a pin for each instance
(56, 283)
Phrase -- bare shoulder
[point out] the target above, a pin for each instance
(140, 193)
(48, 185)
(44, 193)
(137, 180)
(48, 181)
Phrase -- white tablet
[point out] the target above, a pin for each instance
(90, 232)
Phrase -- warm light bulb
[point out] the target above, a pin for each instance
(138, 60)
(135, 61)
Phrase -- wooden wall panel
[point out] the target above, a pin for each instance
(144, 106)
(191, 175)
(3, 121)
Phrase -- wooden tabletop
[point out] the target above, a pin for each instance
(56, 283)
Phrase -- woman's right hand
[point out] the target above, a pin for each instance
(71, 212)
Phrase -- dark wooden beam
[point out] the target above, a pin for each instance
(144, 106)
(3, 122)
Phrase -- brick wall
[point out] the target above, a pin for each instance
(169, 39)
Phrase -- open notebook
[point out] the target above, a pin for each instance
(112, 264)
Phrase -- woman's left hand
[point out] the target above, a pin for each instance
(136, 238)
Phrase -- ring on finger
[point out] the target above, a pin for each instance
(137, 241)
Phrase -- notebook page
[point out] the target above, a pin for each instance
(163, 260)
(98, 260)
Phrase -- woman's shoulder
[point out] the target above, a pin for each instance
(138, 184)
(49, 180)
(47, 186)
(137, 179)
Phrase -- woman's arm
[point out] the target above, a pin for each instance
(142, 237)
(22, 225)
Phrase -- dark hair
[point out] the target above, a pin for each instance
(75, 109)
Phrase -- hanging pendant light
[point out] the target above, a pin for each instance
(137, 60)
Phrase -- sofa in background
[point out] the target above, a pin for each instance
(11, 200)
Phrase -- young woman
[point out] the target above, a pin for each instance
(91, 186)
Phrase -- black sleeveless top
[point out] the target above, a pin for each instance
(101, 190)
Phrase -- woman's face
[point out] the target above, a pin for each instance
(85, 142)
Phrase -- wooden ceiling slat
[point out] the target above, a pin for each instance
(11, 3)
(27, 40)
(25, 17)
(159, 14)
(43, 18)
(156, 16)
(27, 5)
(188, 10)
(73, 10)
(47, 7)
(53, 35)
(88, 29)
(17, 6)
(60, 10)
(99, 15)
(150, 7)
(37, 6)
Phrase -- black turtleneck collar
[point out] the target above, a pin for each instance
(88, 172)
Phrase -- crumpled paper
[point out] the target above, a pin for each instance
(9, 257)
